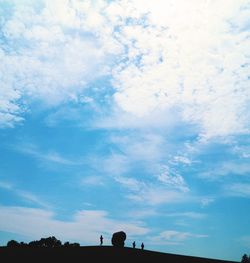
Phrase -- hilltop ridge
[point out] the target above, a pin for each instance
(107, 254)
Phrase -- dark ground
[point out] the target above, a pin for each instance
(105, 254)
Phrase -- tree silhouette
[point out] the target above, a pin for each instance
(49, 242)
(245, 259)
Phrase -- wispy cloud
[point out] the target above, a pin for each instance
(150, 193)
(173, 237)
(50, 155)
(229, 168)
(130, 183)
(111, 165)
(191, 215)
(243, 150)
(32, 198)
(6, 185)
(173, 180)
(245, 241)
(205, 201)
(153, 212)
(140, 146)
(143, 213)
(24, 195)
(237, 189)
(92, 181)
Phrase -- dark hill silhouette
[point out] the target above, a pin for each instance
(107, 254)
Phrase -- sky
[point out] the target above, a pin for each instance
(128, 115)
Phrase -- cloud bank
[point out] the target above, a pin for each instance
(168, 55)
(85, 227)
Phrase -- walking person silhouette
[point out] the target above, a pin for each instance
(133, 244)
(142, 246)
(101, 240)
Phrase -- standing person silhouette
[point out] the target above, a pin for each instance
(101, 240)
(133, 244)
(142, 246)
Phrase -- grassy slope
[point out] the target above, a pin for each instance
(95, 254)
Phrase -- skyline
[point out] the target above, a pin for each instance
(126, 115)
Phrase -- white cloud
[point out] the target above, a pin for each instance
(49, 53)
(85, 227)
(170, 54)
(188, 55)
(172, 237)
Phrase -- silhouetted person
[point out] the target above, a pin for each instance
(134, 244)
(101, 240)
(142, 246)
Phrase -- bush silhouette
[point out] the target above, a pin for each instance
(49, 242)
(13, 243)
(67, 244)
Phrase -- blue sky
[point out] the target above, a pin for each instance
(126, 115)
